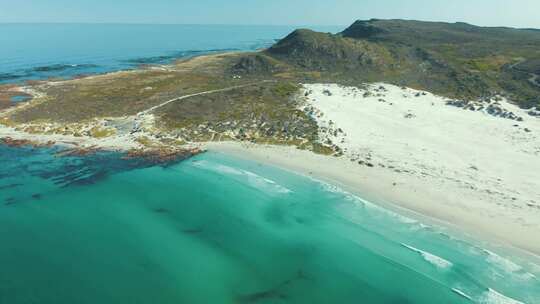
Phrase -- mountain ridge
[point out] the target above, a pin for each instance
(454, 59)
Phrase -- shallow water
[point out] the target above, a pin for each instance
(19, 98)
(215, 229)
(41, 51)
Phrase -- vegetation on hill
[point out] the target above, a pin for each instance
(255, 98)
(459, 59)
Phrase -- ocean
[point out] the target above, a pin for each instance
(213, 228)
(216, 229)
(42, 51)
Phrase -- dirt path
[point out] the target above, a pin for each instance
(534, 79)
(147, 111)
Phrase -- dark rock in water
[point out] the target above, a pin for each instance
(161, 210)
(10, 76)
(273, 293)
(193, 231)
(79, 151)
(261, 296)
(37, 196)
(85, 176)
(10, 186)
(62, 67)
(10, 201)
(71, 169)
(163, 156)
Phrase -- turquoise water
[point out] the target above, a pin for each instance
(40, 51)
(19, 98)
(215, 229)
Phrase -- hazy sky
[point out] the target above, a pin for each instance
(517, 13)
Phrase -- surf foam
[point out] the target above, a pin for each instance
(507, 265)
(252, 178)
(493, 297)
(461, 293)
(431, 258)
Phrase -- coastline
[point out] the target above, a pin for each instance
(377, 186)
(368, 163)
(407, 150)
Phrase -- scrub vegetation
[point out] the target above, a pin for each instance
(458, 60)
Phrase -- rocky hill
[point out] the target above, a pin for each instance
(255, 96)
(455, 59)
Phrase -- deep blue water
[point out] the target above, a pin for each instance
(40, 51)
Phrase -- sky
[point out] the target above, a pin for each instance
(515, 13)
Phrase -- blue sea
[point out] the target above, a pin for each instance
(214, 228)
(41, 51)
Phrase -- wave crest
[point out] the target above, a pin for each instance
(253, 179)
(493, 297)
(507, 265)
(431, 258)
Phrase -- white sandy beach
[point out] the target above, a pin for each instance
(471, 170)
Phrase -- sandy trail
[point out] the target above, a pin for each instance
(147, 111)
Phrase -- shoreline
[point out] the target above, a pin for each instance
(168, 65)
(369, 183)
(373, 186)
(409, 151)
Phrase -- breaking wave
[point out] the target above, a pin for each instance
(493, 297)
(253, 179)
(367, 204)
(461, 293)
(431, 258)
(507, 265)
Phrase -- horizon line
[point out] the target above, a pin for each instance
(261, 25)
(143, 23)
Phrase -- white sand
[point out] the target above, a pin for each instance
(468, 169)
